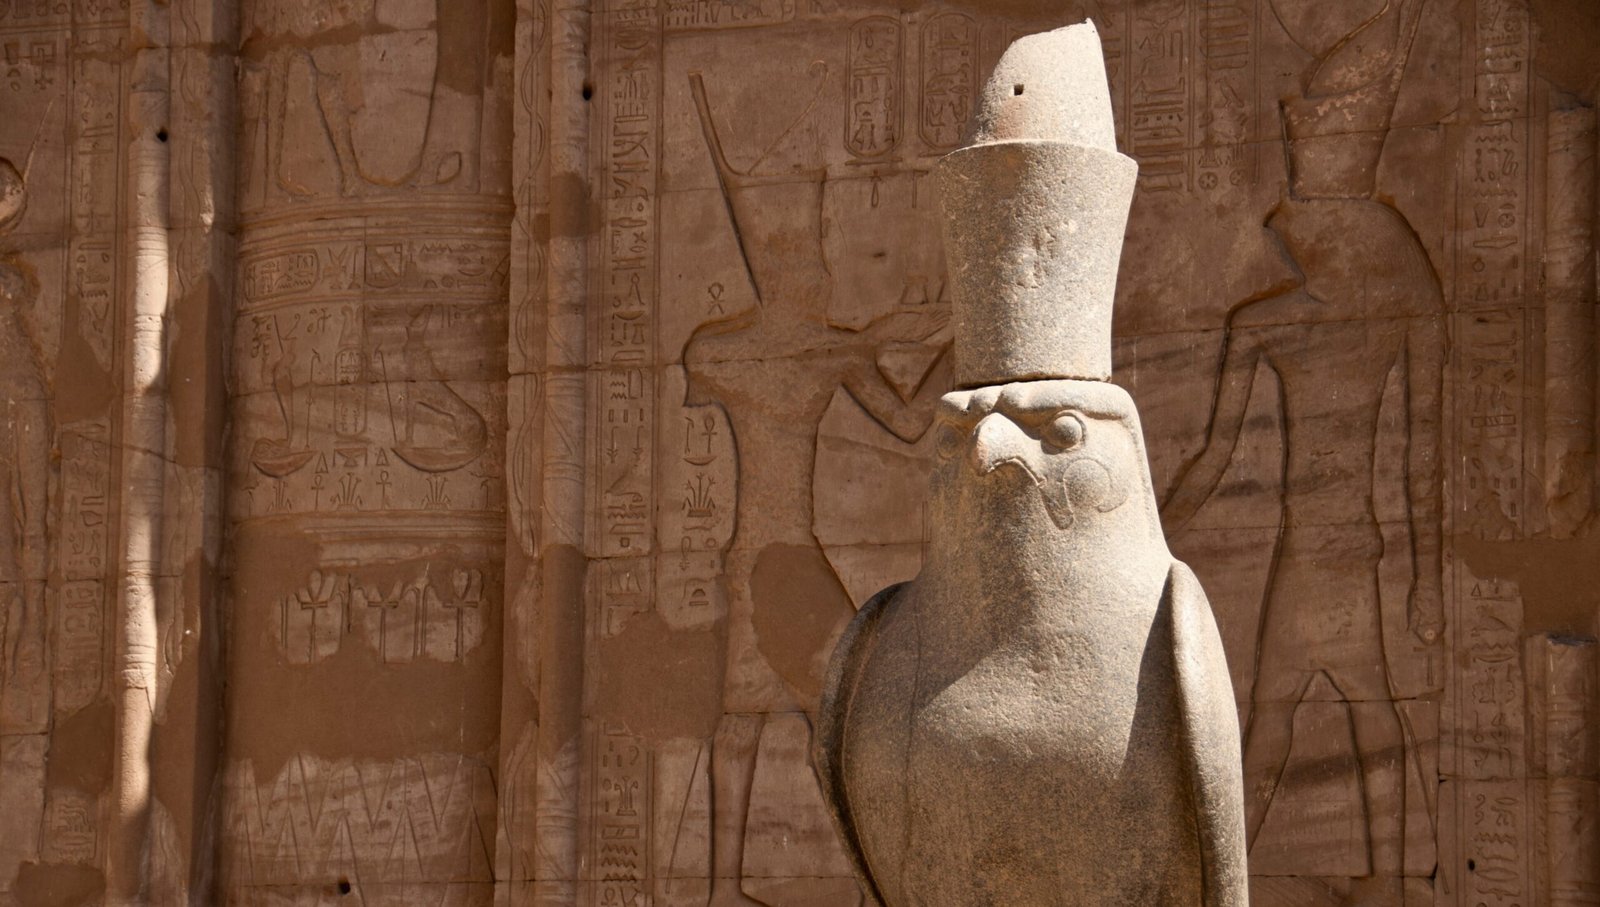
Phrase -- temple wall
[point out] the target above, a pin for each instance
(366, 480)
(443, 441)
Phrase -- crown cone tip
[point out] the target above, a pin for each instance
(1049, 86)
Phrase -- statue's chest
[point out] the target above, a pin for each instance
(997, 743)
(1054, 715)
(1059, 700)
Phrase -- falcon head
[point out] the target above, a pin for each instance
(1077, 443)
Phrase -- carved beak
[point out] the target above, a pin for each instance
(996, 442)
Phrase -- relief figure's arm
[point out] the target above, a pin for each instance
(1241, 352)
(906, 419)
(1424, 373)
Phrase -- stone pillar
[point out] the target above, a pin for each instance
(366, 492)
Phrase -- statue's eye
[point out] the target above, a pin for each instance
(1064, 432)
(948, 441)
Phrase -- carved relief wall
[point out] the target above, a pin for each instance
(61, 277)
(443, 441)
(366, 468)
(1337, 338)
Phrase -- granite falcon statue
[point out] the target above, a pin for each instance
(1043, 716)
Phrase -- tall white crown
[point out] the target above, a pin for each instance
(1035, 206)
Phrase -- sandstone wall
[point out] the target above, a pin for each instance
(443, 439)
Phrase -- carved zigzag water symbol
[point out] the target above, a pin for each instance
(413, 818)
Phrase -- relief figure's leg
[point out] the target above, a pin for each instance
(1380, 738)
(1266, 750)
(1281, 677)
(733, 766)
(1382, 748)
(1358, 666)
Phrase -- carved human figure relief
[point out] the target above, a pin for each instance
(24, 478)
(1366, 306)
(789, 347)
(1052, 659)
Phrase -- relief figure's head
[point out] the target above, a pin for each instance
(1337, 123)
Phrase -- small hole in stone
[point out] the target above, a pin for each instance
(344, 886)
(1472, 865)
(161, 135)
(588, 91)
(1016, 89)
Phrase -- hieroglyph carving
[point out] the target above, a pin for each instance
(1492, 860)
(369, 402)
(623, 443)
(1491, 277)
(440, 620)
(1492, 864)
(62, 179)
(949, 66)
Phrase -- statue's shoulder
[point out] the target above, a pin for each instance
(844, 671)
(850, 654)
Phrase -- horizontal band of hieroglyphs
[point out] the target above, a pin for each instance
(467, 263)
(76, 14)
(435, 614)
(355, 341)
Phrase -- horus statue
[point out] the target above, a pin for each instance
(1043, 716)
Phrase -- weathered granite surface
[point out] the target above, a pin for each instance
(1051, 656)
(653, 298)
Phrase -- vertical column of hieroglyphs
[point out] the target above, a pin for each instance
(1159, 109)
(1491, 280)
(61, 180)
(874, 105)
(1569, 326)
(624, 424)
(1486, 772)
(366, 473)
(1227, 149)
(1486, 767)
(947, 79)
(1183, 80)
(624, 309)
(1562, 675)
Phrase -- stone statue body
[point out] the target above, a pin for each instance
(1043, 716)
